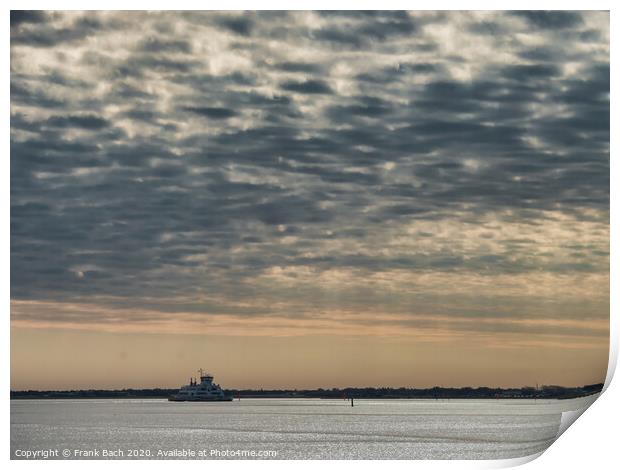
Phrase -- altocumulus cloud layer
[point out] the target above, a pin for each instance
(341, 172)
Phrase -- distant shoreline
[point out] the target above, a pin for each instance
(548, 392)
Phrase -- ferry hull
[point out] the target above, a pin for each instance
(175, 398)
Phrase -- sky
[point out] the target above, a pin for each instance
(309, 199)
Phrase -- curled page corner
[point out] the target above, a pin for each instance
(569, 417)
(516, 461)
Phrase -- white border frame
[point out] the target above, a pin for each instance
(591, 443)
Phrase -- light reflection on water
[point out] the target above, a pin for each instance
(295, 428)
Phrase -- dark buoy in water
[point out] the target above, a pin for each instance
(351, 401)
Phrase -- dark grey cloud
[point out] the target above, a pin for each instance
(529, 72)
(29, 96)
(400, 72)
(367, 106)
(302, 67)
(157, 63)
(487, 28)
(87, 121)
(157, 45)
(366, 26)
(342, 37)
(50, 36)
(238, 25)
(197, 155)
(551, 19)
(307, 87)
(27, 16)
(211, 112)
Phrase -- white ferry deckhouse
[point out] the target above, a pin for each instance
(206, 390)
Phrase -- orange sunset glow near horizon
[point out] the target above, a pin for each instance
(309, 199)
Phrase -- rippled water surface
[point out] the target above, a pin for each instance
(288, 428)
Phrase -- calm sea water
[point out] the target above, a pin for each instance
(287, 428)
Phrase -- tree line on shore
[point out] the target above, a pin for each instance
(545, 391)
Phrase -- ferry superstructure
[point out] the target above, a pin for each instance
(205, 390)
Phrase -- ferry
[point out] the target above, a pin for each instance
(206, 390)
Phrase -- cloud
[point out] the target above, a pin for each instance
(360, 29)
(296, 164)
(27, 16)
(213, 113)
(156, 45)
(84, 122)
(50, 36)
(551, 19)
(307, 87)
(239, 25)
